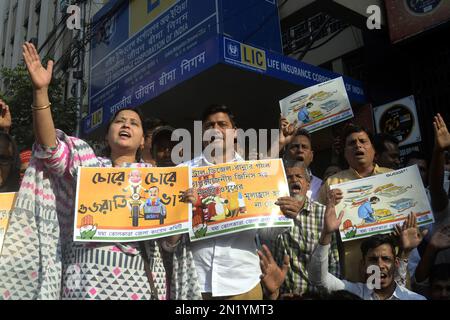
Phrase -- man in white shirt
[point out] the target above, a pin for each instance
(227, 266)
(378, 255)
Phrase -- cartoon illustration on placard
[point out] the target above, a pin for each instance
(318, 106)
(135, 203)
(391, 190)
(154, 209)
(88, 228)
(237, 197)
(376, 203)
(349, 229)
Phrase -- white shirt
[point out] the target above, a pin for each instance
(226, 265)
(314, 187)
(318, 275)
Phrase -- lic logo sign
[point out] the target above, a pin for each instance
(233, 50)
(244, 54)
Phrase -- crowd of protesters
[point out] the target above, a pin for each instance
(307, 261)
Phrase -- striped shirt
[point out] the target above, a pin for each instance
(298, 243)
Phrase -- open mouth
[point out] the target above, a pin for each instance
(296, 188)
(124, 134)
(359, 153)
(217, 137)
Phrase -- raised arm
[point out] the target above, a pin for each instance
(272, 276)
(318, 266)
(439, 199)
(44, 128)
(439, 241)
(409, 237)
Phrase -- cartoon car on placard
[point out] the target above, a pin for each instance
(321, 95)
(316, 114)
(393, 191)
(383, 187)
(359, 202)
(299, 99)
(330, 105)
(360, 189)
(403, 204)
(155, 212)
(356, 199)
(383, 214)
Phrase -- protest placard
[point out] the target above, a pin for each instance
(238, 196)
(318, 106)
(130, 204)
(375, 204)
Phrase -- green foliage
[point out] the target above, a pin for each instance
(19, 96)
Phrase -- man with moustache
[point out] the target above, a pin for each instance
(359, 153)
(377, 251)
(299, 148)
(227, 266)
(387, 153)
(299, 241)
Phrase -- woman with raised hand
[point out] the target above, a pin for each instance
(40, 260)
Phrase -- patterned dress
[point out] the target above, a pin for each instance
(39, 258)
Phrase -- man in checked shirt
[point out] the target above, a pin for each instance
(299, 241)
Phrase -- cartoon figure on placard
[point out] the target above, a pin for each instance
(217, 207)
(303, 115)
(199, 223)
(204, 209)
(88, 229)
(365, 211)
(135, 203)
(199, 229)
(154, 209)
(242, 207)
(349, 229)
(233, 200)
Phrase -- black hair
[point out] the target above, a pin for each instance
(216, 108)
(376, 241)
(160, 133)
(416, 155)
(107, 151)
(303, 132)
(440, 272)
(374, 199)
(352, 128)
(12, 182)
(150, 124)
(379, 142)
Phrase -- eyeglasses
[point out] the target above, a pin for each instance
(5, 160)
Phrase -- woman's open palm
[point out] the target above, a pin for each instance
(40, 76)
